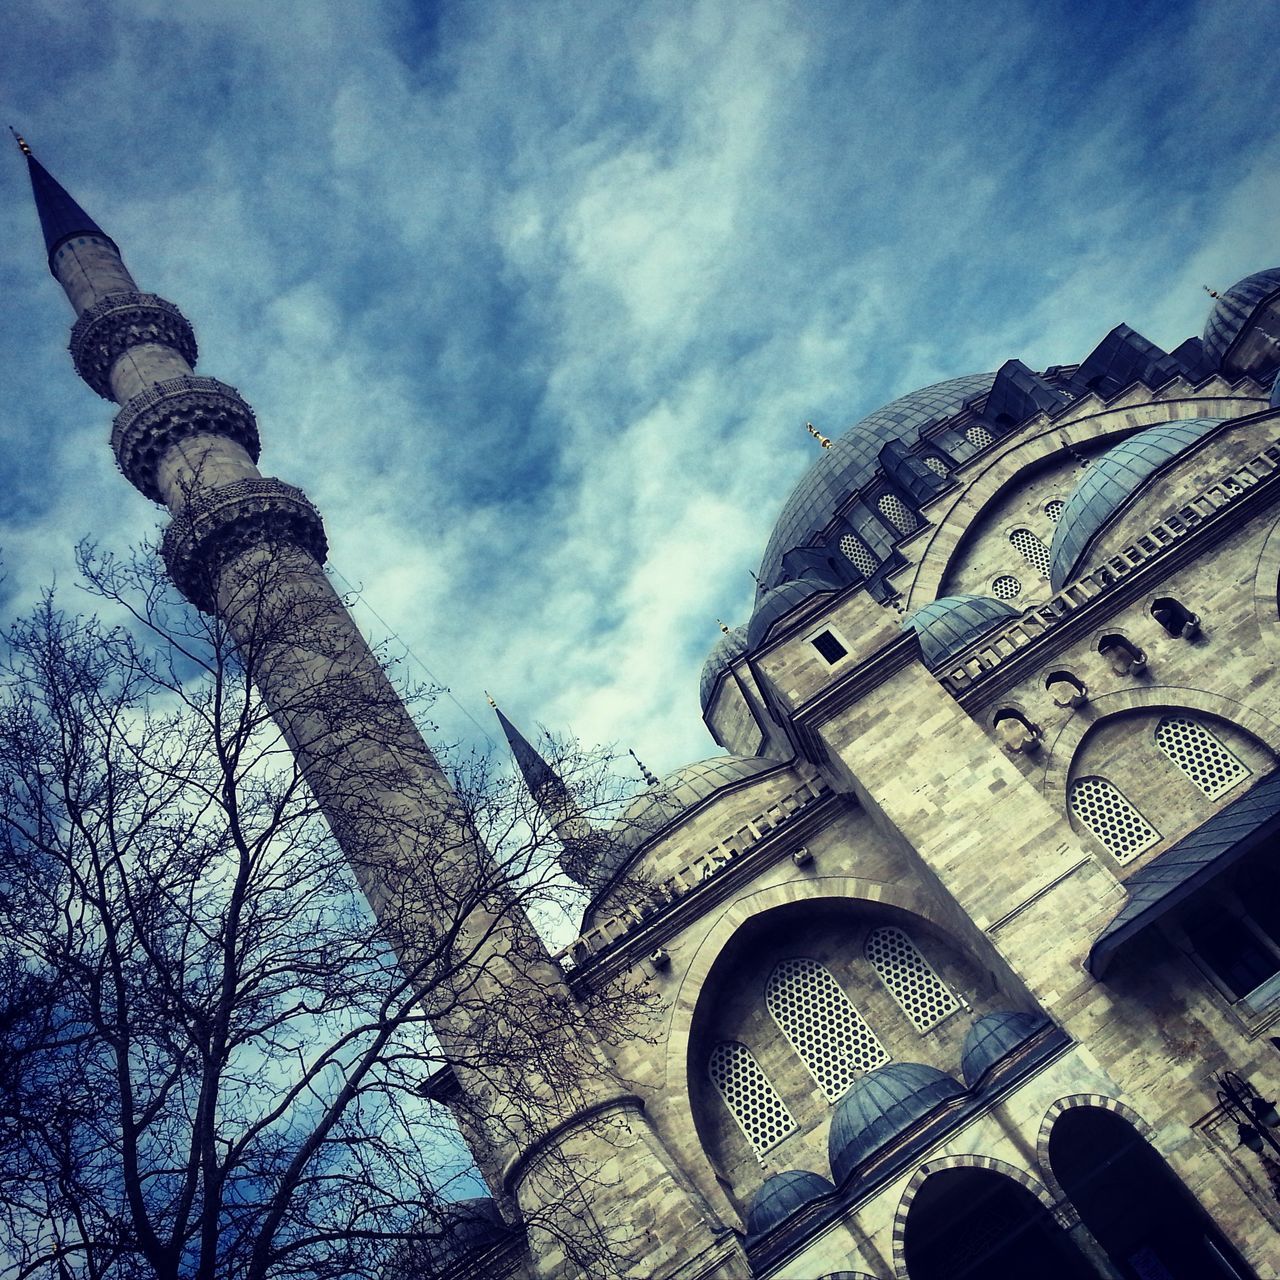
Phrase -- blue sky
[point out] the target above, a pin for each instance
(535, 299)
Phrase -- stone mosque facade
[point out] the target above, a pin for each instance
(954, 940)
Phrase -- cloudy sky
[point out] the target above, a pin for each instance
(534, 299)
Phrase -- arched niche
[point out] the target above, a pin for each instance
(969, 1222)
(1135, 1206)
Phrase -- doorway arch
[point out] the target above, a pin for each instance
(969, 1223)
(1135, 1206)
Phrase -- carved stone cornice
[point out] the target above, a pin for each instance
(124, 320)
(220, 524)
(174, 410)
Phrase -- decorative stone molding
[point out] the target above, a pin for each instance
(222, 523)
(177, 409)
(124, 320)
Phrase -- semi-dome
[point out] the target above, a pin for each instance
(1108, 483)
(780, 1197)
(852, 460)
(950, 624)
(993, 1037)
(1234, 308)
(732, 644)
(680, 790)
(882, 1106)
(776, 604)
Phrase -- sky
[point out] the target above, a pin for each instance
(535, 299)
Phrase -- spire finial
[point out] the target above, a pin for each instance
(488, 697)
(20, 140)
(1213, 293)
(722, 626)
(650, 780)
(817, 435)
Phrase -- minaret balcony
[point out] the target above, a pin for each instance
(123, 320)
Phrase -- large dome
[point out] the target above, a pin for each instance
(853, 458)
(1105, 486)
(1233, 309)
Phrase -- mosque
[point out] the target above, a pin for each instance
(965, 948)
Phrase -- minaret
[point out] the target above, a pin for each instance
(585, 848)
(250, 550)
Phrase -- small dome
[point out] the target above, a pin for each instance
(882, 1106)
(1233, 310)
(468, 1227)
(781, 1196)
(994, 1037)
(730, 646)
(1109, 481)
(952, 623)
(852, 461)
(775, 605)
(680, 790)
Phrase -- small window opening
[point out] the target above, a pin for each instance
(829, 647)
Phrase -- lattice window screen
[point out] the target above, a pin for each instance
(752, 1101)
(897, 513)
(1199, 754)
(911, 979)
(1005, 587)
(1104, 810)
(1054, 508)
(822, 1025)
(936, 465)
(1031, 549)
(857, 551)
(979, 436)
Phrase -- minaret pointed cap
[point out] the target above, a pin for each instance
(60, 216)
(536, 772)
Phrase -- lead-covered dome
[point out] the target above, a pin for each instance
(993, 1038)
(950, 624)
(732, 644)
(1108, 483)
(1233, 309)
(680, 790)
(783, 600)
(853, 458)
(781, 1195)
(882, 1106)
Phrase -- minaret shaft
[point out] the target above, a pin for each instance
(251, 549)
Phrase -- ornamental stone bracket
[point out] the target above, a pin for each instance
(220, 524)
(175, 410)
(124, 320)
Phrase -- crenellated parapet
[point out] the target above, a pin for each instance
(178, 409)
(218, 525)
(119, 321)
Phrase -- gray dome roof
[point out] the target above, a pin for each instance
(730, 645)
(781, 1196)
(853, 458)
(993, 1037)
(774, 605)
(882, 1106)
(1109, 481)
(1231, 311)
(680, 790)
(952, 623)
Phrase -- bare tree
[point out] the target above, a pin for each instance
(213, 1054)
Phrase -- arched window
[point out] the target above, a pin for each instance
(1032, 550)
(911, 980)
(897, 513)
(1054, 509)
(1199, 754)
(936, 465)
(752, 1101)
(822, 1025)
(858, 553)
(979, 437)
(1116, 823)
(1005, 587)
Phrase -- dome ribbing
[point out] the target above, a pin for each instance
(994, 1037)
(782, 1195)
(950, 624)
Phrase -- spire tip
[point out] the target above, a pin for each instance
(20, 140)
